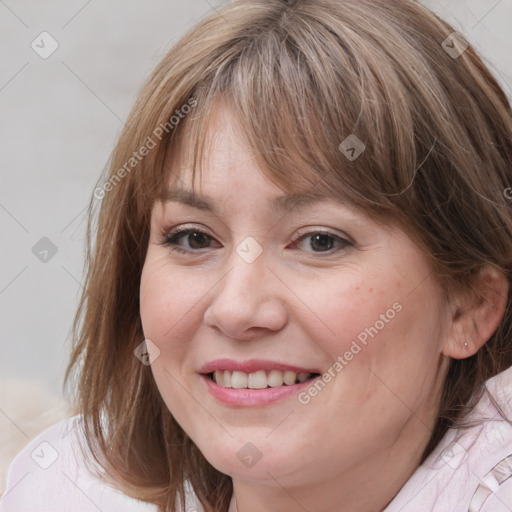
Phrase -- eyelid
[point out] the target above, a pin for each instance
(311, 230)
(167, 234)
(344, 242)
(184, 227)
(303, 231)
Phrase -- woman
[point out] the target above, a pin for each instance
(322, 319)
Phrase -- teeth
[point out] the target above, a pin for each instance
(238, 380)
(275, 378)
(289, 378)
(219, 377)
(259, 379)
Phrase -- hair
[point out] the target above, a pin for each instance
(300, 78)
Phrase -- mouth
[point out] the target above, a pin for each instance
(260, 379)
(255, 382)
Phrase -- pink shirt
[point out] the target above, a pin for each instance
(469, 471)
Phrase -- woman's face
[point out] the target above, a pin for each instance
(269, 297)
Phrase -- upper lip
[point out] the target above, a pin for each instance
(252, 365)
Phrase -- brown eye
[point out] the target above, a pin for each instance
(321, 241)
(194, 239)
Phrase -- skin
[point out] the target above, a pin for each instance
(355, 444)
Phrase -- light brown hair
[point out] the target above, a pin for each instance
(300, 77)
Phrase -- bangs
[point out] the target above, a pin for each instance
(318, 113)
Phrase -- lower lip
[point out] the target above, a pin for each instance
(253, 397)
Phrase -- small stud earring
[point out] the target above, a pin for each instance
(466, 344)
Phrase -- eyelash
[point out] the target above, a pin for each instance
(170, 240)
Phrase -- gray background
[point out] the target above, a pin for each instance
(60, 118)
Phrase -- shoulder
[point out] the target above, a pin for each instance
(471, 468)
(50, 474)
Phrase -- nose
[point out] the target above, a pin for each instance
(248, 301)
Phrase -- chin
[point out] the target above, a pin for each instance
(248, 460)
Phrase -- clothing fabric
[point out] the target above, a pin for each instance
(469, 471)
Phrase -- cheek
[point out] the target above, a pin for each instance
(385, 372)
(349, 312)
(168, 301)
(381, 338)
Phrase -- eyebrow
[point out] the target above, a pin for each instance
(281, 204)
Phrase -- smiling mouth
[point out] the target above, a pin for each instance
(260, 379)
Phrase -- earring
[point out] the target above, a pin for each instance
(466, 344)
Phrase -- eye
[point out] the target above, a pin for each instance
(195, 239)
(323, 241)
(189, 240)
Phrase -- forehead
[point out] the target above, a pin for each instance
(212, 145)
(193, 176)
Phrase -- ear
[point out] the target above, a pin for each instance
(476, 314)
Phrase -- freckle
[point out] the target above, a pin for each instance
(370, 290)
